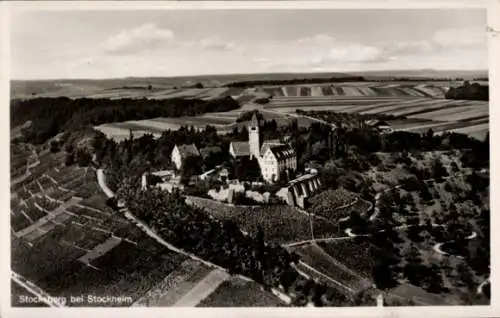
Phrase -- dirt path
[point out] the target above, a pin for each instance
(162, 294)
(307, 271)
(203, 289)
(49, 217)
(100, 250)
(328, 239)
(102, 183)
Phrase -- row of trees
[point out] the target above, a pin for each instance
(295, 81)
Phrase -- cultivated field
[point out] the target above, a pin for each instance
(369, 89)
(420, 106)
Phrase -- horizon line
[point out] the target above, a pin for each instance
(346, 73)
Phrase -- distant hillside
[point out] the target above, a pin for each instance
(65, 87)
(424, 73)
(86, 87)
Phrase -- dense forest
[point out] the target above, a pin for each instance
(51, 116)
(247, 84)
(469, 91)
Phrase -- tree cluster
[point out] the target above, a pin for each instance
(468, 91)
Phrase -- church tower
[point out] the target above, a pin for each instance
(253, 137)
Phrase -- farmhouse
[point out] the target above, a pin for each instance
(273, 156)
(381, 125)
(181, 152)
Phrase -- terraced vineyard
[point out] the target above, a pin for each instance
(67, 241)
(351, 252)
(281, 223)
(329, 269)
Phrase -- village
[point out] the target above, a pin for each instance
(276, 162)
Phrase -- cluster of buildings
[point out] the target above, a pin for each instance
(274, 157)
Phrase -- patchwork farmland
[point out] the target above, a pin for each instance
(67, 241)
(418, 105)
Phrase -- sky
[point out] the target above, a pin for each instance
(112, 44)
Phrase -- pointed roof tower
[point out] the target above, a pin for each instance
(255, 120)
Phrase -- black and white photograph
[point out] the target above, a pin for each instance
(257, 157)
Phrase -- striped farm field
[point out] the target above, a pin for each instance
(156, 126)
(336, 103)
(165, 93)
(478, 131)
(409, 106)
(444, 126)
(357, 89)
(457, 113)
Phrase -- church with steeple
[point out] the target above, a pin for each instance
(274, 157)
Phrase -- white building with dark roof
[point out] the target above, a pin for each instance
(273, 156)
(277, 159)
(181, 152)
